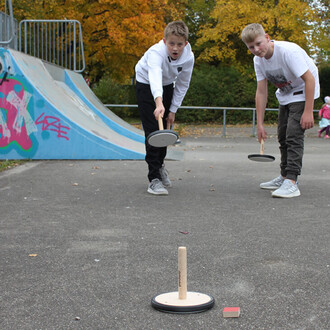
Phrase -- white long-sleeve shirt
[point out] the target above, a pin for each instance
(157, 69)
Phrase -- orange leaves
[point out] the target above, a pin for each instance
(116, 33)
(120, 31)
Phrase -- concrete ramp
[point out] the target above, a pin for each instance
(47, 113)
(77, 83)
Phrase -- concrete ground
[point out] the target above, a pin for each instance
(84, 246)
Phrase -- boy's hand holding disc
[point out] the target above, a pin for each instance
(261, 157)
(162, 138)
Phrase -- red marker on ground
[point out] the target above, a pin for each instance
(231, 312)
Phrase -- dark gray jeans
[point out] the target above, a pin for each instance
(291, 139)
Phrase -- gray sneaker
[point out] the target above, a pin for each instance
(164, 176)
(273, 184)
(156, 188)
(288, 189)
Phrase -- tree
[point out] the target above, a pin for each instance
(321, 30)
(220, 86)
(282, 19)
(37, 9)
(116, 32)
(197, 13)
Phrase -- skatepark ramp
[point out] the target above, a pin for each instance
(49, 112)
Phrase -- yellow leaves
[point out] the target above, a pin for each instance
(283, 20)
(175, 9)
(230, 17)
(116, 33)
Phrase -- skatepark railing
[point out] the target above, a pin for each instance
(224, 109)
(8, 27)
(58, 42)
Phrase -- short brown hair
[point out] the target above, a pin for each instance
(252, 31)
(177, 28)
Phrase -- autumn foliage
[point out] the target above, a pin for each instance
(117, 32)
(281, 19)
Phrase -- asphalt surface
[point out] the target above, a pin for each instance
(84, 246)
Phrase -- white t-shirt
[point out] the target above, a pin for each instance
(157, 69)
(284, 69)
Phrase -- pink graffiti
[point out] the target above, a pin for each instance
(50, 123)
(16, 123)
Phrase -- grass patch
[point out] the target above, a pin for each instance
(8, 164)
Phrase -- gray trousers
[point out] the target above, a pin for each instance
(291, 139)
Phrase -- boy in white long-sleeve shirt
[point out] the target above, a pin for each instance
(162, 79)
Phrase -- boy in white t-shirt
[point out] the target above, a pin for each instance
(293, 72)
(162, 79)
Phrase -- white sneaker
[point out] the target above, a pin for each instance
(156, 188)
(288, 189)
(164, 176)
(273, 184)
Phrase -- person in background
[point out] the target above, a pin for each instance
(324, 114)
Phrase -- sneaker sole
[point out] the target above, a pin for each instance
(150, 191)
(295, 194)
(270, 188)
(167, 185)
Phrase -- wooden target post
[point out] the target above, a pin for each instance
(182, 301)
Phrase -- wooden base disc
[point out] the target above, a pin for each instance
(194, 303)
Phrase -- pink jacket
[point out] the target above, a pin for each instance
(325, 112)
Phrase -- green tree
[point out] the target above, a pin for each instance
(324, 72)
(220, 86)
(197, 14)
(321, 30)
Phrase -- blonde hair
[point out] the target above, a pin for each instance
(177, 28)
(251, 32)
